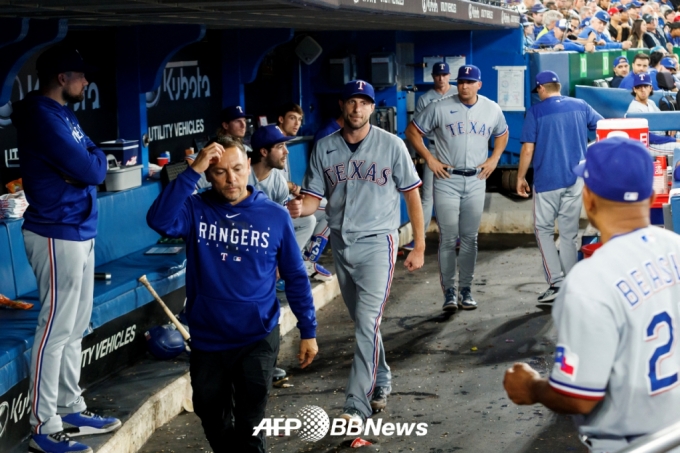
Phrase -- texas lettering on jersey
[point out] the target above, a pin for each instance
(338, 173)
(472, 127)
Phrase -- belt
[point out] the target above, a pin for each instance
(453, 171)
(369, 236)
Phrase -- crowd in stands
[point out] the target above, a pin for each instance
(590, 25)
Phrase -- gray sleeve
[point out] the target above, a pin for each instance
(280, 190)
(426, 121)
(403, 171)
(501, 125)
(421, 103)
(313, 184)
(635, 107)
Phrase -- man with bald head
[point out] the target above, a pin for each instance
(616, 314)
(234, 229)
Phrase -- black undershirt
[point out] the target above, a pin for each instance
(354, 146)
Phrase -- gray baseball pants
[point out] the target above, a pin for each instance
(426, 195)
(65, 274)
(304, 228)
(365, 271)
(565, 206)
(458, 203)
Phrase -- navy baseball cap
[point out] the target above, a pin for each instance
(358, 88)
(618, 169)
(619, 60)
(634, 4)
(267, 136)
(668, 62)
(469, 72)
(545, 77)
(648, 18)
(642, 79)
(603, 16)
(440, 68)
(232, 113)
(538, 8)
(59, 59)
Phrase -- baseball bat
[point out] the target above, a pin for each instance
(167, 311)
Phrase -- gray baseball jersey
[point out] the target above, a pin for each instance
(362, 187)
(274, 186)
(616, 318)
(462, 133)
(433, 95)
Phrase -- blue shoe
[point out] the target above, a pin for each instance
(85, 423)
(318, 272)
(410, 246)
(450, 300)
(466, 300)
(280, 285)
(56, 443)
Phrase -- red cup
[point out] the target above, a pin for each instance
(161, 161)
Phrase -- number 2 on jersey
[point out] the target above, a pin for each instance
(657, 383)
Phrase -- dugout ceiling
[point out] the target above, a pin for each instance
(301, 15)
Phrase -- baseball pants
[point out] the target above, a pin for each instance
(65, 274)
(426, 195)
(231, 389)
(304, 228)
(365, 271)
(565, 206)
(458, 203)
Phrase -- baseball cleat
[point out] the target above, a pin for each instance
(450, 300)
(56, 443)
(466, 300)
(279, 373)
(353, 416)
(85, 423)
(318, 272)
(549, 295)
(379, 399)
(410, 246)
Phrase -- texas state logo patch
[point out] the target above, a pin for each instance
(566, 362)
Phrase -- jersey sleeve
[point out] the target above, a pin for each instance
(281, 191)
(313, 184)
(421, 104)
(529, 129)
(501, 127)
(587, 341)
(403, 171)
(426, 121)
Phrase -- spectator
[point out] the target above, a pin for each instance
(621, 70)
(671, 65)
(652, 37)
(634, 10)
(603, 4)
(668, 15)
(550, 18)
(618, 29)
(593, 33)
(552, 6)
(555, 40)
(576, 6)
(636, 34)
(537, 17)
(529, 36)
(674, 33)
(574, 23)
(655, 64)
(640, 66)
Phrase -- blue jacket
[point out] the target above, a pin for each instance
(60, 168)
(609, 44)
(627, 82)
(549, 39)
(232, 256)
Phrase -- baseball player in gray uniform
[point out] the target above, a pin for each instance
(442, 88)
(616, 314)
(462, 125)
(361, 170)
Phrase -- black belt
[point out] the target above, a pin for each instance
(369, 236)
(462, 172)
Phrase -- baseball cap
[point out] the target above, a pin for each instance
(585, 23)
(648, 18)
(642, 79)
(524, 22)
(634, 4)
(440, 68)
(668, 62)
(619, 60)
(618, 169)
(562, 24)
(661, 49)
(677, 19)
(60, 59)
(603, 16)
(231, 113)
(612, 11)
(538, 8)
(469, 72)
(267, 136)
(545, 77)
(622, 8)
(356, 88)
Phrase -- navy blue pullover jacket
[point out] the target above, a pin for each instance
(60, 168)
(232, 256)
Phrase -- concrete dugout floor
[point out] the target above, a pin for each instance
(438, 378)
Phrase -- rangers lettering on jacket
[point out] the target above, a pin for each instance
(357, 170)
(233, 236)
(473, 127)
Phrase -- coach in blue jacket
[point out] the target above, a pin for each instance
(236, 237)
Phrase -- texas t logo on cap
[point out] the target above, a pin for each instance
(360, 85)
(467, 69)
(441, 66)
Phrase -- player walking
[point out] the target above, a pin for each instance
(442, 88)
(462, 126)
(361, 170)
(555, 137)
(61, 168)
(615, 361)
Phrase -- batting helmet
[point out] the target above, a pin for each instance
(164, 342)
